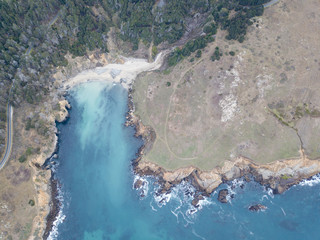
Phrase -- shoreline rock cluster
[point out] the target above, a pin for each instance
(54, 207)
(278, 175)
(48, 202)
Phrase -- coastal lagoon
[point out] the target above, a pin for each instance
(99, 202)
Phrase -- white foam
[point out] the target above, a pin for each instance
(144, 188)
(186, 219)
(152, 207)
(54, 166)
(311, 182)
(202, 203)
(184, 190)
(180, 198)
(176, 214)
(162, 199)
(233, 187)
(264, 197)
(284, 213)
(270, 192)
(54, 233)
(237, 183)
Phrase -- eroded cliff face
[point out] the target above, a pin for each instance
(46, 187)
(41, 180)
(278, 175)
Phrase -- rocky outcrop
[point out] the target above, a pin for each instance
(43, 185)
(222, 196)
(196, 199)
(147, 133)
(54, 208)
(278, 176)
(138, 184)
(257, 207)
(63, 113)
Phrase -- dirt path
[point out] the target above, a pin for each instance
(169, 107)
(270, 3)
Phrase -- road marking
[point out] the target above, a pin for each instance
(9, 136)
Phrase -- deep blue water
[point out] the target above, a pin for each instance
(99, 202)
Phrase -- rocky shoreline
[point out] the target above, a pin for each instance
(54, 207)
(62, 85)
(54, 203)
(48, 203)
(278, 176)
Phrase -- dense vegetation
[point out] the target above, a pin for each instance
(32, 42)
(35, 35)
(253, 2)
(189, 48)
(157, 21)
(230, 15)
(241, 15)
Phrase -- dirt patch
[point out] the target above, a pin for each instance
(17, 175)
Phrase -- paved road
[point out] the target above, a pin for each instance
(54, 19)
(9, 136)
(7, 153)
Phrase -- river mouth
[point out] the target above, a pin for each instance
(94, 169)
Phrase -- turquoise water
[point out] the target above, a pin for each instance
(99, 202)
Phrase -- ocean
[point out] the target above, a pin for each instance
(98, 201)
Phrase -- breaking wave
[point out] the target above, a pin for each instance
(60, 217)
(311, 181)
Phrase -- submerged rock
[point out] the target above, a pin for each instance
(257, 207)
(196, 199)
(222, 197)
(138, 184)
(289, 225)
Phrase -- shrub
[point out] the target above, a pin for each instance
(29, 151)
(210, 29)
(31, 202)
(216, 55)
(286, 177)
(154, 51)
(198, 54)
(29, 124)
(22, 158)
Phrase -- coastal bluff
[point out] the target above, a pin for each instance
(252, 114)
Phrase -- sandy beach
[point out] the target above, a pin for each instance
(117, 73)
